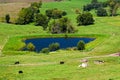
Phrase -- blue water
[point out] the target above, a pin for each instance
(41, 43)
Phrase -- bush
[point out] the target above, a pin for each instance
(101, 12)
(45, 50)
(54, 46)
(30, 47)
(7, 18)
(85, 19)
(81, 45)
(41, 20)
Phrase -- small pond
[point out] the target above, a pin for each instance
(41, 43)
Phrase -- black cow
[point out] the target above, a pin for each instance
(62, 62)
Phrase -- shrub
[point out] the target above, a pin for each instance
(45, 50)
(30, 47)
(54, 46)
(41, 20)
(7, 18)
(81, 45)
(85, 19)
(101, 12)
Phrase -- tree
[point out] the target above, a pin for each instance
(26, 15)
(7, 18)
(94, 1)
(49, 13)
(41, 20)
(114, 5)
(54, 46)
(30, 47)
(94, 5)
(36, 4)
(45, 50)
(87, 7)
(85, 19)
(55, 13)
(81, 45)
(102, 12)
(62, 25)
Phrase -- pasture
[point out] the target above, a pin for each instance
(46, 66)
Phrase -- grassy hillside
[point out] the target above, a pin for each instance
(47, 67)
(22, 1)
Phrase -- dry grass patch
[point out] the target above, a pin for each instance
(12, 9)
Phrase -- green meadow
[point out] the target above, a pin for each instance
(40, 66)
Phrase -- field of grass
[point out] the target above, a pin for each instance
(46, 66)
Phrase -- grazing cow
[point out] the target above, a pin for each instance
(17, 62)
(20, 72)
(62, 62)
(84, 65)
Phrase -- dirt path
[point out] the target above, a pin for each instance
(1, 47)
(113, 55)
(31, 64)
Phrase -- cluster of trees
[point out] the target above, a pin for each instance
(51, 47)
(26, 15)
(94, 5)
(54, 17)
(62, 25)
(114, 5)
(100, 7)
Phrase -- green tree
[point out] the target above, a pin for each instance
(55, 13)
(49, 13)
(94, 1)
(41, 20)
(114, 5)
(85, 19)
(36, 4)
(62, 25)
(102, 12)
(30, 47)
(54, 46)
(26, 15)
(7, 18)
(81, 45)
(45, 50)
